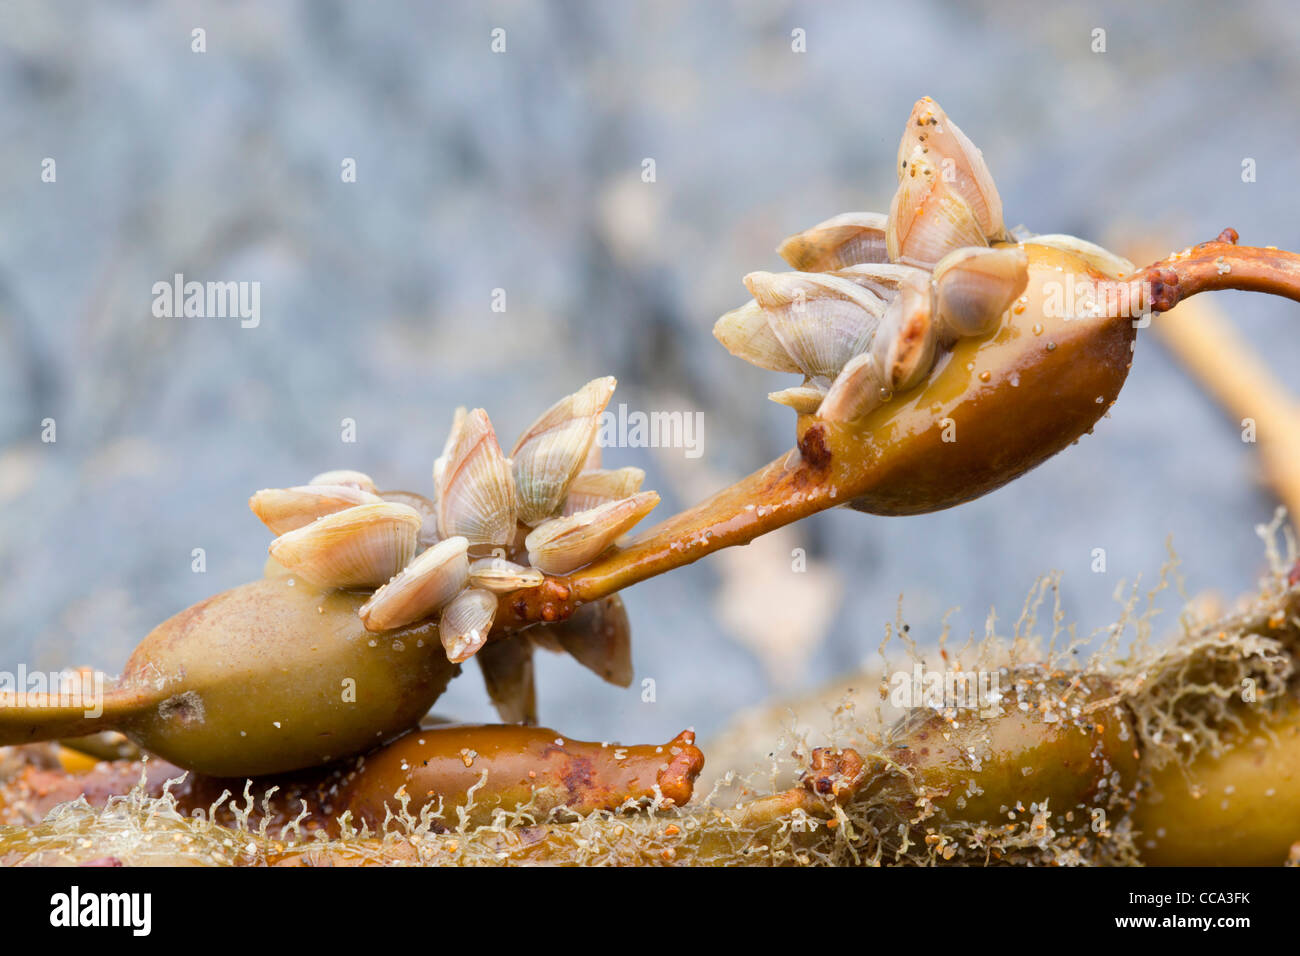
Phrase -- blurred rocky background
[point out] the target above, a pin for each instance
(522, 170)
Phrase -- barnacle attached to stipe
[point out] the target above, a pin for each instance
(879, 299)
(499, 526)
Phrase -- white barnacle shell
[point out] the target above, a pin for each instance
(561, 545)
(476, 494)
(359, 547)
(931, 135)
(427, 509)
(973, 288)
(420, 588)
(440, 463)
(1103, 260)
(555, 447)
(840, 241)
(598, 485)
(882, 278)
(821, 320)
(501, 576)
(352, 479)
(287, 509)
(804, 399)
(858, 389)
(746, 334)
(904, 348)
(465, 623)
(928, 218)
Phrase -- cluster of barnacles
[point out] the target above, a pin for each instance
(496, 525)
(528, 546)
(877, 298)
(873, 303)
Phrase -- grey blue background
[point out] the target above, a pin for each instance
(522, 171)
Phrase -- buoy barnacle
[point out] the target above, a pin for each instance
(371, 601)
(905, 325)
(878, 299)
(495, 526)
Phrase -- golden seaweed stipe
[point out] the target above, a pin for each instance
(937, 355)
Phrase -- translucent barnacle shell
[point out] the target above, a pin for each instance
(502, 576)
(905, 347)
(476, 492)
(363, 546)
(820, 320)
(420, 588)
(287, 509)
(928, 218)
(563, 544)
(882, 278)
(352, 479)
(465, 623)
(804, 399)
(746, 334)
(599, 485)
(931, 137)
(975, 287)
(552, 451)
(840, 241)
(859, 388)
(428, 511)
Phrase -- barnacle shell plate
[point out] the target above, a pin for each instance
(1009, 400)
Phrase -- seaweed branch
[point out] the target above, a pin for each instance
(800, 483)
